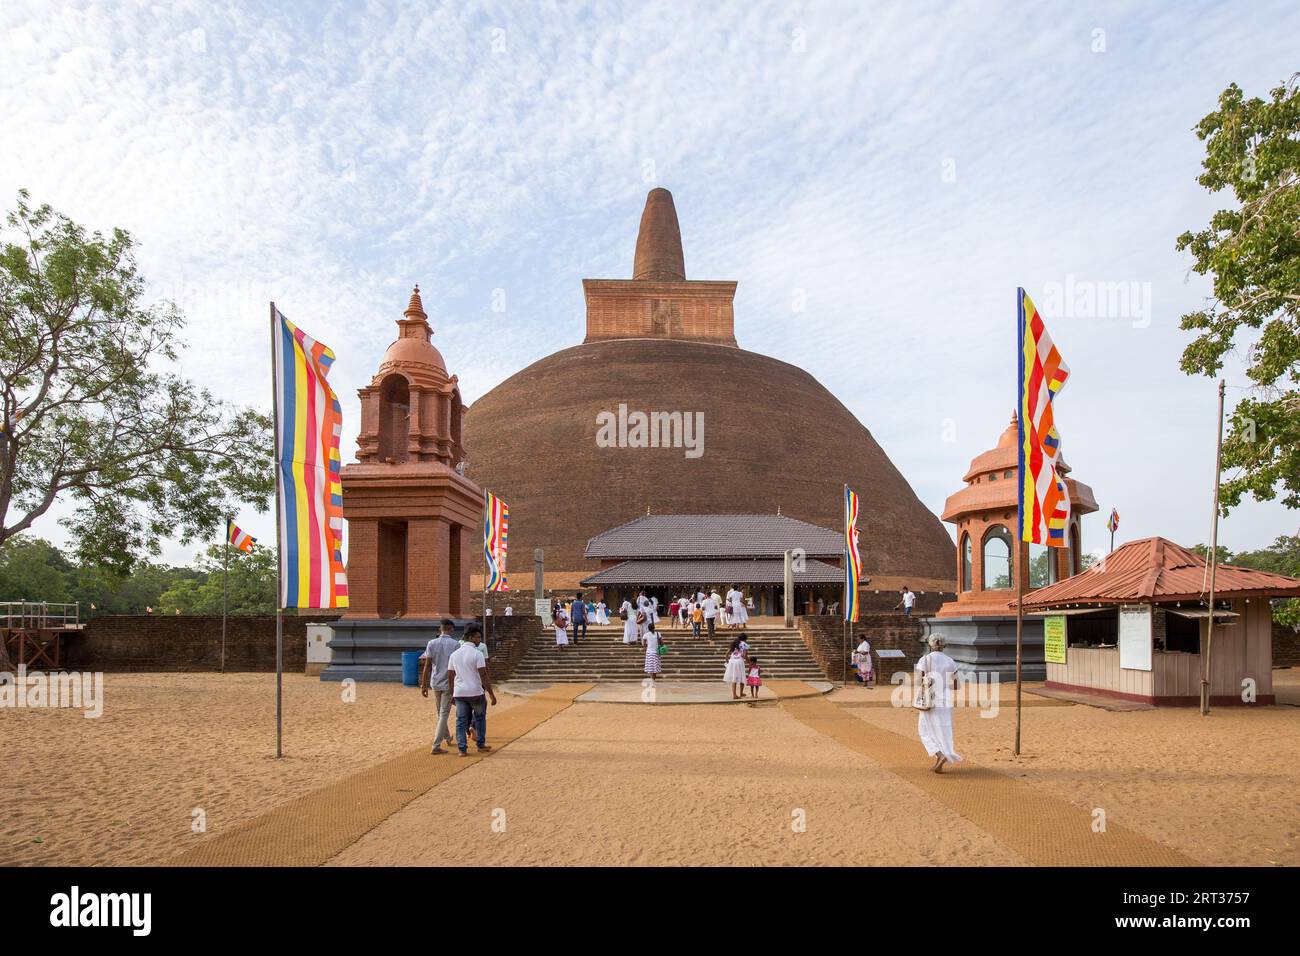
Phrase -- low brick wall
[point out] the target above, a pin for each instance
(188, 643)
(510, 637)
(824, 636)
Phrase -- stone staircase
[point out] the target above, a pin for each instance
(603, 656)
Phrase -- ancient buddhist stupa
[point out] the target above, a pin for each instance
(773, 439)
(414, 520)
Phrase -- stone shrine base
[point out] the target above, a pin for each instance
(987, 645)
(370, 649)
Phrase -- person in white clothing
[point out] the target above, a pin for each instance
(907, 601)
(628, 613)
(561, 622)
(468, 682)
(710, 606)
(936, 676)
(510, 611)
(736, 608)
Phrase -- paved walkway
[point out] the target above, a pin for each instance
(1041, 828)
(316, 826)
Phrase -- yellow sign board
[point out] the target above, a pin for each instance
(1054, 639)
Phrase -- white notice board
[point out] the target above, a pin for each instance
(1135, 637)
(542, 608)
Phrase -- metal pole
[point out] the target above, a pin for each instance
(789, 589)
(279, 559)
(1021, 550)
(225, 574)
(1214, 562)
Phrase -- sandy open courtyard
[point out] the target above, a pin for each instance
(635, 784)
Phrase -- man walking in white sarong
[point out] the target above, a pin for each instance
(936, 676)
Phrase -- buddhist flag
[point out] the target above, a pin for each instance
(852, 557)
(496, 527)
(1112, 523)
(1044, 499)
(309, 424)
(240, 539)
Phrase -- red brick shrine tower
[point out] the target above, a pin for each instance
(414, 520)
(980, 625)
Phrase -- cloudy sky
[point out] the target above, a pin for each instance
(900, 168)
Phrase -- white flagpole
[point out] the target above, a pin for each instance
(279, 559)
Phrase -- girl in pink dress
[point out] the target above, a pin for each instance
(754, 678)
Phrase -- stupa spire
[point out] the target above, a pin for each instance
(415, 308)
(659, 240)
(414, 322)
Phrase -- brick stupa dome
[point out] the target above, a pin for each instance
(774, 437)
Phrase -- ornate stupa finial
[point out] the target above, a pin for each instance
(415, 308)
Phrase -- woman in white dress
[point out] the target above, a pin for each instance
(936, 674)
(736, 607)
(628, 613)
(602, 613)
(561, 622)
(734, 672)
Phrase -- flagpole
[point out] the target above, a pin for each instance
(225, 574)
(1214, 561)
(279, 560)
(848, 575)
(1017, 566)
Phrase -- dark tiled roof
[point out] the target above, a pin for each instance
(1156, 569)
(713, 536)
(705, 573)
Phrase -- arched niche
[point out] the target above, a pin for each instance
(966, 561)
(394, 418)
(995, 552)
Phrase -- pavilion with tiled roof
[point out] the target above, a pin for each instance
(1137, 622)
(677, 552)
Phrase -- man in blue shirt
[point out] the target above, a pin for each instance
(579, 616)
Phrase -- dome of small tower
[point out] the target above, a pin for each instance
(413, 353)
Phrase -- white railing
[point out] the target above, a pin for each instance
(34, 615)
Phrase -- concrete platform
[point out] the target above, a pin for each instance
(664, 692)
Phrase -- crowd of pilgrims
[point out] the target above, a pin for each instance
(643, 620)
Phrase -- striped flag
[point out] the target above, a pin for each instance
(1044, 499)
(239, 538)
(309, 427)
(852, 557)
(1112, 523)
(496, 528)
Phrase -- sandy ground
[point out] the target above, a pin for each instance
(122, 788)
(704, 784)
(620, 784)
(1222, 789)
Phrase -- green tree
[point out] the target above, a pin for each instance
(34, 570)
(89, 412)
(1252, 146)
(249, 584)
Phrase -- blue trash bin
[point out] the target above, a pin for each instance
(410, 668)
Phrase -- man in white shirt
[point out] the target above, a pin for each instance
(433, 673)
(710, 607)
(908, 601)
(510, 611)
(468, 678)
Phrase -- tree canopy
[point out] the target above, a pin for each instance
(91, 413)
(1252, 146)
